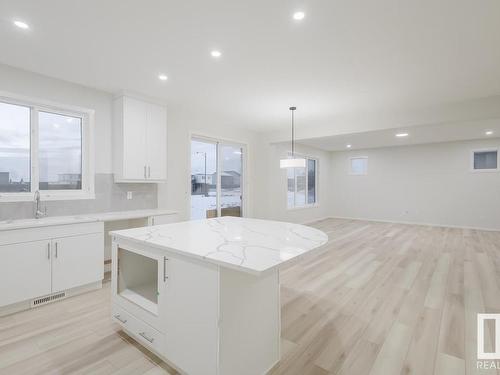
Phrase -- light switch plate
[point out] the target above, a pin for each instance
(129, 195)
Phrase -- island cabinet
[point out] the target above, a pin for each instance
(139, 141)
(204, 295)
(196, 316)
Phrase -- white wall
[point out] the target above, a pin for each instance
(273, 192)
(21, 82)
(430, 184)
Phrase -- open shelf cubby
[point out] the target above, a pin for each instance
(138, 279)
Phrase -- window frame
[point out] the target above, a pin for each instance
(489, 170)
(316, 177)
(351, 173)
(88, 178)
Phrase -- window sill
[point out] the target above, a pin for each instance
(44, 197)
(315, 205)
(485, 170)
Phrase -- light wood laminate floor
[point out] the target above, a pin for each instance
(382, 299)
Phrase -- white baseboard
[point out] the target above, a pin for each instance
(415, 223)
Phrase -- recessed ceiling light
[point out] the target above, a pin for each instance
(348, 146)
(401, 135)
(162, 77)
(489, 132)
(298, 16)
(21, 24)
(216, 53)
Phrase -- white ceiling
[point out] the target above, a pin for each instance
(434, 133)
(344, 57)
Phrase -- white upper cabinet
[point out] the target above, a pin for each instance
(139, 141)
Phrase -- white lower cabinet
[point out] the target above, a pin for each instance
(77, 260)
(24, 271)
(37, 262)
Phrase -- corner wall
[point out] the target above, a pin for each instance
(428, 184)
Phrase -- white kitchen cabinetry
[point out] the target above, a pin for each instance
(77, 260)
(139, 141)
(24, 271)
(43, 261)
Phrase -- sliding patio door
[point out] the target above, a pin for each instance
(216, 178)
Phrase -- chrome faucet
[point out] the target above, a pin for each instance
(37, 212)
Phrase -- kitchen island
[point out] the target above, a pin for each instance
(204, 295)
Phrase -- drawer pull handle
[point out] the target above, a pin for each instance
(150, 339)
(120, 319)
(165, 277)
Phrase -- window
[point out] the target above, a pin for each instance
(301, 184)
(358, 166)
(217, 178)
(44, 148)
(485, 160)
(15, 169)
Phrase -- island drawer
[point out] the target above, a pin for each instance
(142, 332)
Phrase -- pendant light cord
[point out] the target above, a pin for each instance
(293, 131)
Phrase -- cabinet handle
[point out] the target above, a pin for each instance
(149, 171)
(118, 317)
(144, 171)
(56, 249)
(48, 250)
(165, 277)
(150, 339)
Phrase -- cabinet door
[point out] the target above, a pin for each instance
(135, 123)
(189, 306)
(24, 271)
(77, 260)
(157, 143)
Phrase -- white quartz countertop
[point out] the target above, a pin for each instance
(249, 245)
(85, 218)
(133, 214)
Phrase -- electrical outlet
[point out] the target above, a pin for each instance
(129, 195)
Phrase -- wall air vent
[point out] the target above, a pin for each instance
(47, 299)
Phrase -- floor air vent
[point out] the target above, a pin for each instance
(47, 299)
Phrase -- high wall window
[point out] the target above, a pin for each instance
(302, 184)
(358, 166)
(44, 148)
(485, 160)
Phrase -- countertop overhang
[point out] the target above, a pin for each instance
(249, 245)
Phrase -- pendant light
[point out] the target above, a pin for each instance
(292, 161)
